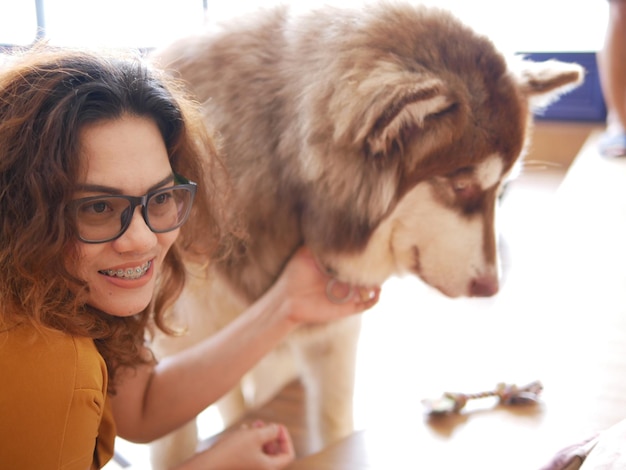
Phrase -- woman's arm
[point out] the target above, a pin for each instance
(154, 400)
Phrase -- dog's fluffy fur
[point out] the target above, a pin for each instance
(380, 137)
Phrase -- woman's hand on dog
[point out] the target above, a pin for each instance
(305, 290)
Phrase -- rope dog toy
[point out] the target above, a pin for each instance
(451, 402)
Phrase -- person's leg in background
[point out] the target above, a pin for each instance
(612, 70)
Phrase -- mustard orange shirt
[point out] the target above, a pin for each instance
(54, 412)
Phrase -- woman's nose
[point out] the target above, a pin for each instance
(138, 235)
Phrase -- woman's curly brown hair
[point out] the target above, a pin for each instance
(46, 95)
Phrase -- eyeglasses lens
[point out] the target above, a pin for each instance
(167, 209)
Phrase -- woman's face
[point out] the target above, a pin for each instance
(126, 156)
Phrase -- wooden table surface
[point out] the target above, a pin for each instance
(560, 318)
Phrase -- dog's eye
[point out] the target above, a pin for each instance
(464, 188)
(467, 194)
(460, 186)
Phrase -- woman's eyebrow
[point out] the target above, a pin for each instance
(99, 188)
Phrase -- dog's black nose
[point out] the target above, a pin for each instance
(484, 286)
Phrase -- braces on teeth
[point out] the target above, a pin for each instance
(130, 273)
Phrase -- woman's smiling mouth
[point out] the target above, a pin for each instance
(128, 273)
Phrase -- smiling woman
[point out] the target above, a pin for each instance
(130, 152)
(97, 224)
(76, 124)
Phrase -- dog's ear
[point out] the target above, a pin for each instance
(543, 82)
(399, 114)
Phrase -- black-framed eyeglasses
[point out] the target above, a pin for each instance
(101, 219)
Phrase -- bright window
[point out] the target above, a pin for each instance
(18, 22)
(111, 23)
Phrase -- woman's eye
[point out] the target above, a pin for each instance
(161, 198)
(99, 207)
(96, 207)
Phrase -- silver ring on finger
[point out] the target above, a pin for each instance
(331, 295)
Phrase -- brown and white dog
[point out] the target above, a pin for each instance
(380, 137)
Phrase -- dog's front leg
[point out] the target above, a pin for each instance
(327, 357)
